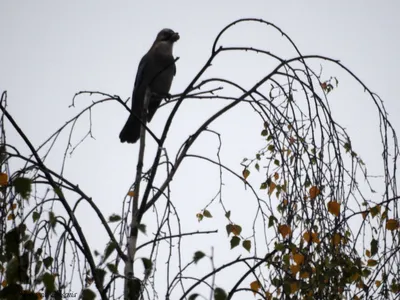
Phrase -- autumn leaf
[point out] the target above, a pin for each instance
(294, 287)
(131, 193)
(304, 275)
(272, 187)
(314, 192)
(246, 173)
(3, 179)
(294, 269)
(298, 258)
(11, 217)
(392, 224)
(236, 229)
(372, 262)
(334, 208)
(284, 230)
(324, 85)
(368, 253)
(378, 283)
(246, 245)
(365, 214)
(199, 216)
(311, 237)
(276, 176)
(336, 239)
(255, 286)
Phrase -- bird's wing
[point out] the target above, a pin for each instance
(140, 72)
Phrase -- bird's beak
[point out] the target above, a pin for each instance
(175, 37)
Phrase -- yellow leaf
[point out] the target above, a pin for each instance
(368, 253)
(336, 239)
(378, 283)
(272, 187)
(372, 262)
(334, 208)
(284, 230)
(268, 296)
(131, 193)
(285, 202)
(246, 173)
(276, 176)
(11, 217)
(314, 237)
(314, 192)
(294, 269)
(293, 287)
(375, 210)
(255, 286)
(298, 258)
(4, 283)
(355, 277)
(3, 179)
(304, 275)
(392, 224)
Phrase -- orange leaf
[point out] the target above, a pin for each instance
(255, 286)
(13, 206)
(314, 192)
(4, 283)
(276, 176)
(378, 283)
(307, 236)
(131, 193)
(236, 229)
(11, 217)
(272, 187)
(284, 230)
(334, 208)
(314, 237)
(392, 224)
(324, 85)
(294, 269)
(298, 258)
(3, 179)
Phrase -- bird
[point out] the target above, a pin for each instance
(156, 71)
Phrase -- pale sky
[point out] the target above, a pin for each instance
(52, 50)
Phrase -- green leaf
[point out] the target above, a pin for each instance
(264, 132)
(193, 296)
(263, 186)
(114, 218)
(48, 261)
(23, 187)
(12, 241)
(271, 148)
(229, 228)
(246, 245)
(228, 214)
(88, 294)
(52, 220)
(113, 268)
(142, 228)
(197, 256)
(277, 162)
(207, 214)
(374, 247)
(29, 245)
(48, 281)
(35, 216)
(109, 249)
(271, 221)
(234, 241)
(257, 166)
(280, 247)
(147, 263)
(220, 294)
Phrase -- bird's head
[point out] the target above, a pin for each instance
(167, 35)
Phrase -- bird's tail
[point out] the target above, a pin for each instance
(131, 131)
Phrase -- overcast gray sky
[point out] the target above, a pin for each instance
(51, 50)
